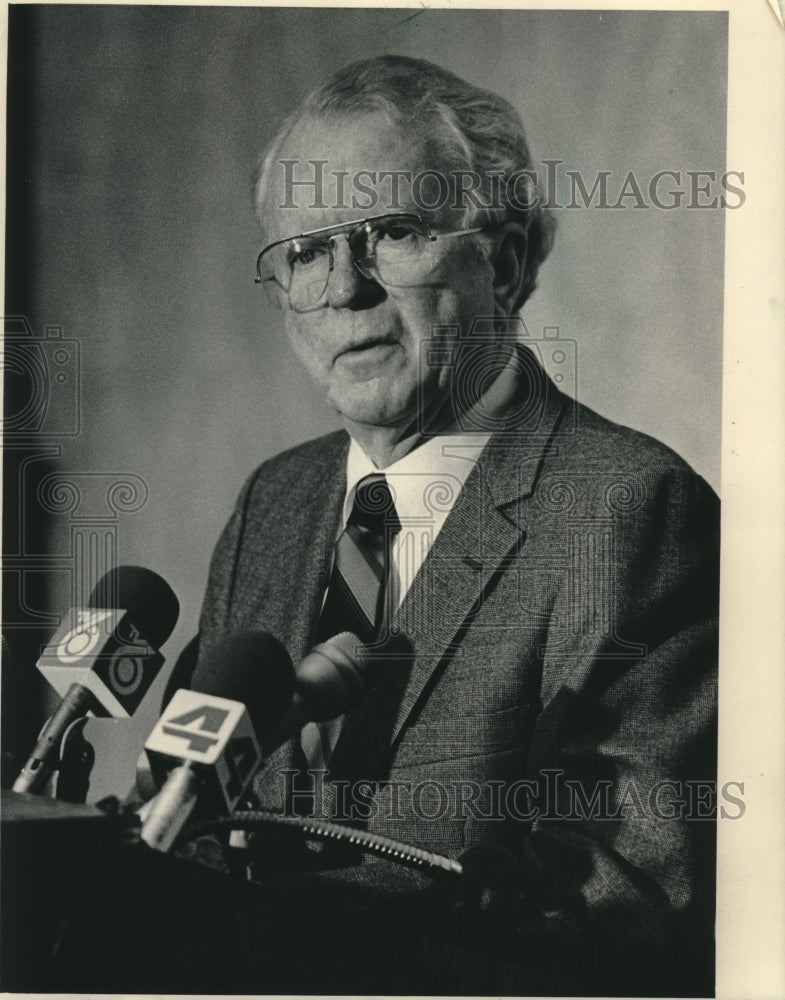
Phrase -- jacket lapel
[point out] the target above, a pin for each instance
(483, 531)
(467, 552)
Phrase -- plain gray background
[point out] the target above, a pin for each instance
(145, 128)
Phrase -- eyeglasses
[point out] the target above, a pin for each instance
(395, 250)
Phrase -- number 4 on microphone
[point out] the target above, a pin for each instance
(214, 734)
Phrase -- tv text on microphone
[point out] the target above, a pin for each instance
(246, 700)
(205, 748)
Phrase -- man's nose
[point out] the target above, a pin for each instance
(347, 288)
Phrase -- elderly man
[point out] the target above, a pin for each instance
(538, 586)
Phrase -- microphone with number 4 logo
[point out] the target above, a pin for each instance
(205, 748)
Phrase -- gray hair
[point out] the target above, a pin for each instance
(478, 131)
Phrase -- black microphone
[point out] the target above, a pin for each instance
(205, 748)
(102, 660)
(329, 681)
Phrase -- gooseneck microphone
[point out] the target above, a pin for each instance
(102, 660)
(205, 748)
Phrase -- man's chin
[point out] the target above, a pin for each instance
(369, 408)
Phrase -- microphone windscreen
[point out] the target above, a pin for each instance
(331, 678)
(149, 600)
(354, 649)
(251, 667)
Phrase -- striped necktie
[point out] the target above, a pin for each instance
(358, 594)
(358, 589)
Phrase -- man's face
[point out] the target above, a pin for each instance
(361, 345)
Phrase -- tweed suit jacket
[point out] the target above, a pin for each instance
(559, 643)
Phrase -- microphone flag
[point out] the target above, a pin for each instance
(102, 650)
(214, 735)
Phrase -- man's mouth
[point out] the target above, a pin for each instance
(365, 346)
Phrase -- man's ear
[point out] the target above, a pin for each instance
(508, 260)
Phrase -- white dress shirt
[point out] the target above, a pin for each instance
(424, 484)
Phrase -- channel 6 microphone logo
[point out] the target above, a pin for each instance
(102, 649)
(42, 391)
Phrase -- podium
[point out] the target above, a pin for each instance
(86, 908)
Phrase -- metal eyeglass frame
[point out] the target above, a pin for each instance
(352, 228)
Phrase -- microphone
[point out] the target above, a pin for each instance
(205, 748)
(102, 660)
(329, 681)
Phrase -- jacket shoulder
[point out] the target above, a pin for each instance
(311, 460)
(318, 452)
(602, 443)
(277, 492)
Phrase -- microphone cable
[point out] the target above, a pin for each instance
(406, 854)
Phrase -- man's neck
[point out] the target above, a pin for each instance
(385, 445)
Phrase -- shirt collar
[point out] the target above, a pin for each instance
(444, 461)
